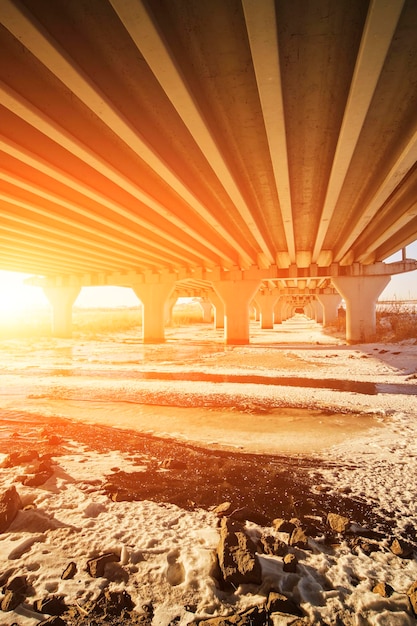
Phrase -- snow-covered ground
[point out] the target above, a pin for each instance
(368, 445)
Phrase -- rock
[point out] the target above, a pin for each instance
(10, 503)
(401, 548)
(338, 523)
(299, 539)
(273, 546)
(19, 458)
(283, 526)
(223, 509)
(412, 596)
(237, 557)
(113, 603)
(383, 589)
(367, 547)
(278, 603)
(51, 605)
(18, 584)
(11, 600)
(244, 514)
(70, 571)
(37, 479)
(95, 567)
(254, 616)
(290, 563)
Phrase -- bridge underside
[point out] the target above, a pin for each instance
(265, 144)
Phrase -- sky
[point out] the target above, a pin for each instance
(15, 296)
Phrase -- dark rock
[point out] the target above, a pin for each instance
(37, 479)
(278, 603)
(412, 596)
(299, 539)
(338, 523)
(290, 563)
(223, 509)
(51, 605)
(383, 589)
(113, 603)
(401, 548)
(11, 600)
(18, 584)
(367, 547)
(95, 567)
(245, 514)
(236, 552)
(273, 546)
(254, 616)
(283, 526)
(70, 571)
(10, 503)
(19, 458)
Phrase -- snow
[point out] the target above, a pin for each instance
(369, 448)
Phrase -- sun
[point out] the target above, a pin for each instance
(16, 298)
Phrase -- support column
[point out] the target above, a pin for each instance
(330, 303)
(153, 297)
(206, 308)
(169, 306)
(318, 311)
(266, 301)
(61, 300)
(278, 310)
(236, 297)
(218, 310)
(360, 294)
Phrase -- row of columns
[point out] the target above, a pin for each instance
(231, 301)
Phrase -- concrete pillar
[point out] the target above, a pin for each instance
(278, 310)
(218, 310)
(266, 301)
(153, 297)
(360, 294)
(206, 309)
(318, 311)
(61, 300)
(236, 297)
(309, 310)
(169, 306)
(330, 303)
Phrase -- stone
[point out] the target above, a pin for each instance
(401, 548)
(10, 503)
(237, 557)
(412, 596)
(18, 584)
(244, 514)
(299, 539)
(223, 509)
(70, 571)
(273, 546)
(54, 620)
(255, 616)
(19, 458)
(11, 600)
(290, 563)
(383, 589)
(283, 526)
(95, 567)
(51, 605)
(338, 523)
(113, 603)
(278, 603)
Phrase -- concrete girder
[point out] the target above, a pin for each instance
(90, 193)
(379, 30)
(38, 42)
(53, 131)
(262, 33)
(101, 221)
(403, 164)
(137, 21)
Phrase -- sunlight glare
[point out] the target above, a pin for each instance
(16, 298)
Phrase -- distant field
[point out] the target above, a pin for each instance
(395, 321)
